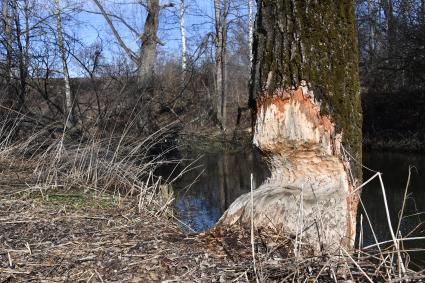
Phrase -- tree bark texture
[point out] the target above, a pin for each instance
(7, 29)
(423, 11)
(221, 11)
(22, 42)
(389, 23)
(183, 35)
(149, 42)
(250, 31)
(61, 45)
(306, 100)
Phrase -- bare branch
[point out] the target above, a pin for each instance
(127, 50)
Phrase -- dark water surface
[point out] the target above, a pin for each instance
(222, 177)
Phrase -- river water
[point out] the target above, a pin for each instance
(221, 177)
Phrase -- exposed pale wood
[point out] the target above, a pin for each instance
(305, 100)
(309, 192)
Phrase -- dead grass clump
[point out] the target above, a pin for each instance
(117, 161)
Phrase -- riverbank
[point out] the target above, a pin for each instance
(50, 234)
(394, 121)
(49, 241)
(211, 140)
(69, 234)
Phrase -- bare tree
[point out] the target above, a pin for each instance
(423, 11)
(149, 43)
(149, 39)
(221, 12)
(388, 8)
(250, 30)
(62, 50)
(183, 35)
(7, 30)
(23, 46)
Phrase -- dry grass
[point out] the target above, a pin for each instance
(115, 162)
(90, 211)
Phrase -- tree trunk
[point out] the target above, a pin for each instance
(220, 58)
(183, 34)
(149, 42)
(423, 11)
(389, 23)
(250, 31)
(22, 63)
(68, 98)
(7, 29)
(306, 100)
(145, 60)
(371, 24)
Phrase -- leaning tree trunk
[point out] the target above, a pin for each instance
(306, 102)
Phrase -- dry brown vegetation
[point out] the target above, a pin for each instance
(57, 224)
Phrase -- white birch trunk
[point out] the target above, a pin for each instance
(251, 31)
(183, 34)
(62, 51)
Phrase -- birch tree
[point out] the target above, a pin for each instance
(70, 119)
(250, 30)
(183, 35)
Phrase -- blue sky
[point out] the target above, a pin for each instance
(90, 27)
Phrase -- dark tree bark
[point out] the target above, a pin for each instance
(149, 42)
(221, 9)
(7, 100)
(305, 97)
(423, 11)
(389, 23)
(22, 42)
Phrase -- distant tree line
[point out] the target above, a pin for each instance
(50, 75)
(392, 66)
(392, 44)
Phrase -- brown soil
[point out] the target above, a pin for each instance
(71, 235)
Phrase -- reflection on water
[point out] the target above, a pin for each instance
(225, 176)
(395, 168)
(220, 180)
